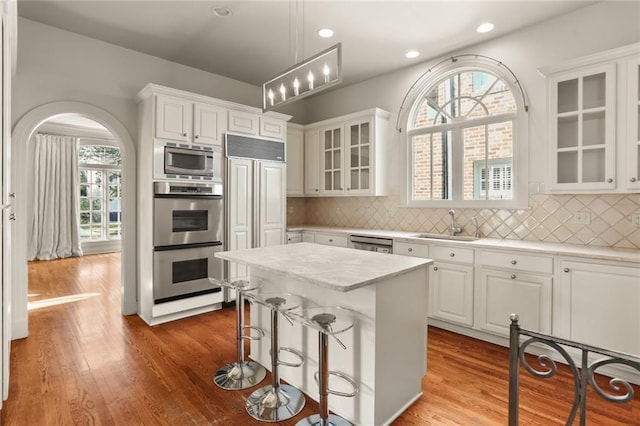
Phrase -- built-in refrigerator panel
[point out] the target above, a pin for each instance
(256, 197)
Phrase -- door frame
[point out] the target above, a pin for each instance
(22, 136)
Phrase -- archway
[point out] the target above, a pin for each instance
(21, 138)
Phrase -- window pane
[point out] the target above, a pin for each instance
(432, 166)
(421, 167)
(96, 154)
(488, 162)
(475, 152)
(96, 204)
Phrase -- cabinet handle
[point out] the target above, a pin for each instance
(566, 269)
(197, 136)
(409, 249)
(633, 179)
(513, 276)
(435, 268)
(452, 254)
(609, 180)
(513, 262)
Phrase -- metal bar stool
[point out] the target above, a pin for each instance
(240, 374)
(328, 321)
(277, 402)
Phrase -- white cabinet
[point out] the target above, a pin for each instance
(311, 162)
(411, 249)
(294, 237)
(451, 284)
(308, 237)
(295, 161)
(272, 217)
(331, 239)
(185, 120)
(632, 178)
(509, 282)
(593, 122)
(256, 125)
(599, 304)
(350, 155)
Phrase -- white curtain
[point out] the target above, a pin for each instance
(55, 230)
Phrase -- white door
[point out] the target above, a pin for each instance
(311, 162)
(271, 204)
(451, 292)
(173, 118)
(239, 211)
(209, 122)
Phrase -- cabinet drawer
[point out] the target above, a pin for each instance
(332, 240)
(411, 249)
(452, 254)
(294, 237)
(272, 128)
(308, 237)
(516, 262)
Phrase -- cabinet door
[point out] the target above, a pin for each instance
(208, 124)
(332, 161)
(311, 162)
(599, 305)
(633, 122)
(451, 293)
(582, 129)
(272, 128)
(173, 118)
(501, 293)
(243, 122)
(359, 157)
(271, 204)
(295, 161)
(239, 211)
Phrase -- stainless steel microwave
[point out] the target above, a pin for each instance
(174, 160)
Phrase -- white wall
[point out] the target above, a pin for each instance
(588, 30)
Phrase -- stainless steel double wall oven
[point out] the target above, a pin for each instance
(188, 224)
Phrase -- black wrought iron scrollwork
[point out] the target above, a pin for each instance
(616, 384)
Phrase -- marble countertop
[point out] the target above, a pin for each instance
(334, 268)
(559, 249)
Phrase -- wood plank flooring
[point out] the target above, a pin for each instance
(84, 363)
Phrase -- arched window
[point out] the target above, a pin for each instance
(100, 192)
(466, 139)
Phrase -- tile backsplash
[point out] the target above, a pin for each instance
(549, 218)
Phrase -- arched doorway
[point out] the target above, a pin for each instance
(22, 133)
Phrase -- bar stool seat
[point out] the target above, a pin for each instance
(277, 402)
(328, 321)
(240, 374)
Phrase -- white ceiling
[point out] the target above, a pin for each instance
(258, 40)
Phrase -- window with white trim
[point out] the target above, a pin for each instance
(100, 193)
(462, 140)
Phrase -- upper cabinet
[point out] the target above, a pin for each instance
(189, 121)
(345, 156)
(256, 125)
(295, 160)
(593, 123)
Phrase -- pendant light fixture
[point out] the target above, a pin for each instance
(312, 75)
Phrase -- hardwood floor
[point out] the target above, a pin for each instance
(84, 363)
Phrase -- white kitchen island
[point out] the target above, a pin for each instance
(386, 349)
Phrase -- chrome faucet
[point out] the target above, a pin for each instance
(476, 234)
(453, 230)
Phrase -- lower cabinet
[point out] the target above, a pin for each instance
(599, 304)
(451, 292)
(501, 293)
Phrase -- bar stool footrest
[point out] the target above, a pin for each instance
(344, 377)
(295, 352)
(259, 330)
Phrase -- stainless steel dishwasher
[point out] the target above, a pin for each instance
(377, 244)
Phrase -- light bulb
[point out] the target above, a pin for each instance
(326, 71)
(310, 78)
(296, 86)
(271, 96)
(283, 91)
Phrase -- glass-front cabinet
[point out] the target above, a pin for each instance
(358, 157)
(633, 125)
(332, 162)
(582, 125)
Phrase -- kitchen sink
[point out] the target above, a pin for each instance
(446, 237)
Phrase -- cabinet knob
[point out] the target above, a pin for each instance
(348, 189)
(316, 189)
(12, 216)
(409, 249)
(330, 240)
(184, 134)
(435, 268)
(609, 180)
(197, 136)
(513, 276)
(12, 195)
(452, 254)
(566, 269)
(633, 179)
(513, 262)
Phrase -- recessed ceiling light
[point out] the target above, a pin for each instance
(221, 11)
(325, 32)
(412, 54)
(485, 27)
